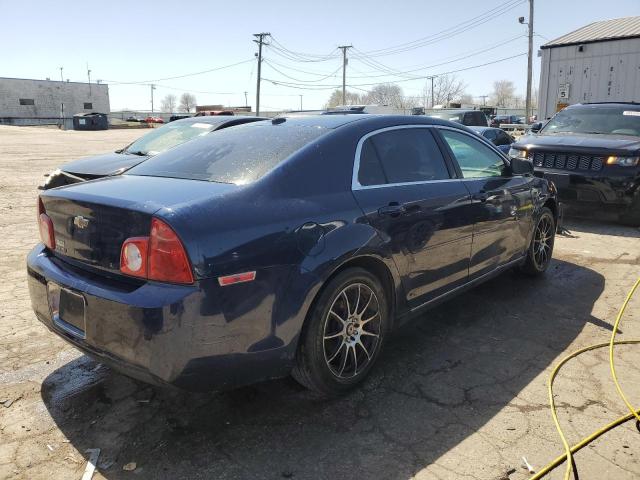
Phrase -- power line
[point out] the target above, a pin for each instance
(448, 32)
(302, 81)
(142, 82)
(330, 87)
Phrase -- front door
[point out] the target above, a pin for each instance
(405, 187)
(502, 202)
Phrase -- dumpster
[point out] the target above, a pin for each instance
(90, 121)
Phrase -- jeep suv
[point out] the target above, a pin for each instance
(591, 152)
(475, 118)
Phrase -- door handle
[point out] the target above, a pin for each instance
(480, 196)
(394, 209)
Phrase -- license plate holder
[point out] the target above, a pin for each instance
(67, 309)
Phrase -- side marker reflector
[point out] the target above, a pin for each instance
(237, 278)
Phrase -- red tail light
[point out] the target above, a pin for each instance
(168, 260)
(45, 225)
(160, 256)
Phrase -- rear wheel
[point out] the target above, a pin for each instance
(343, 334)
(541, 247)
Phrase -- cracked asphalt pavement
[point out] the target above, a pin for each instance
(459, 393)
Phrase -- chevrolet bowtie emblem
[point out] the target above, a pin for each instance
(80, 222)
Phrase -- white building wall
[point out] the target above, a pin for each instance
(604, 71)
(48, 97)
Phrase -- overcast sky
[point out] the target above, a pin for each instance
(137, 41)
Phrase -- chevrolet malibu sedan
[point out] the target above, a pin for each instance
(291, 246)
(145, 147)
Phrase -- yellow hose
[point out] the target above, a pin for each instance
(568, 456)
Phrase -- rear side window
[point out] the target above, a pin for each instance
(490, 135)
(401, 156)
(476, 160)
(239, 155)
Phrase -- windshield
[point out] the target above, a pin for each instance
(611, 120)
(168, 136)
(237, 155)
(451, 116)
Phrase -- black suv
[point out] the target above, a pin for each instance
(474, 118)
(591, 151)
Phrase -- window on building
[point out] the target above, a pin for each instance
(27, 101)
(88, 106)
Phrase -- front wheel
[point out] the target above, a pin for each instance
(343, 334)
(541, 247)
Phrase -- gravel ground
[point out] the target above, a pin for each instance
(459, 393)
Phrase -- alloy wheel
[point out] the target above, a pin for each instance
(543, 242)
(352, 328)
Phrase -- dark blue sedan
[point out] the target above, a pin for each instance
(291, 246)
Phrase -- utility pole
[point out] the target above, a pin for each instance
(344, 49)
(260, 42)
(300, 102)
(61, 77)
(484, 99)
(246, 102)
(89, 77)
(529, 63)
(431, 77)
(153, 87)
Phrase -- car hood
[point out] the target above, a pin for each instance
(571, 141)
(103, 165)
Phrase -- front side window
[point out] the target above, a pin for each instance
(404, 155)
(476, 160)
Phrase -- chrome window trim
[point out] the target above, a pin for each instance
(355, 184)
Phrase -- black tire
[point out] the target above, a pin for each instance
(541, 247)
(631, 217)
(327, 339)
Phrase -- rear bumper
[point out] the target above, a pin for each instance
(162, 334)
(614, 193)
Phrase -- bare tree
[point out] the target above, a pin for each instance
(386, 94)
(466, 99)
(168, 103)
(187, 102)
(503, 93)
(335, 99)
(446, 89)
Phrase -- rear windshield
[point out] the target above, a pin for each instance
(237, 155)
(168, 136)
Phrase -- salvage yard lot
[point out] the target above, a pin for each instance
(458, 393)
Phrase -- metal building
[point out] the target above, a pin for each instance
(596, 63)
(42, 102)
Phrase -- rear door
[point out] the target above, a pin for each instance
(409, 192)
(502, 203)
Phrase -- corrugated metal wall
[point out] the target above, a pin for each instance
(601, 72)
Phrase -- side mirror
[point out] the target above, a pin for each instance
(536, 127)
(521, 166)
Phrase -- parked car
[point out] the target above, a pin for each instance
(270, 249)
(465, 117)
(508, 119)
(134, 119)
(497, 136)
(591, 152)
(145, 147)
(151, 119)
